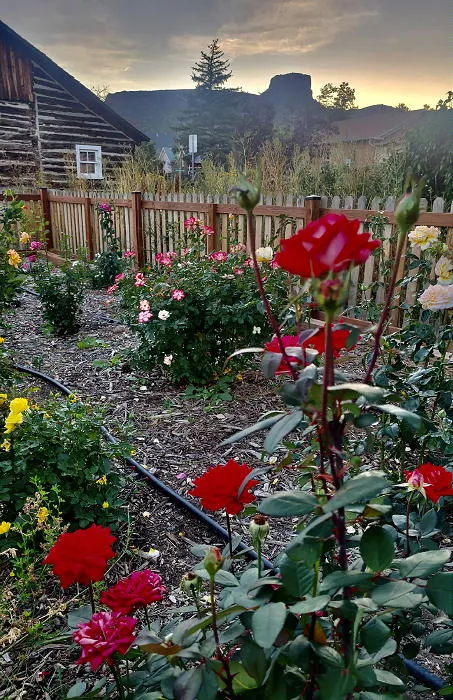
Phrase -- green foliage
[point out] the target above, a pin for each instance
(337, 96)
(60, 445)
(11, 216)
(429, 152)
(61, 293)
(109, 263)
(212, 71)
(190, 339)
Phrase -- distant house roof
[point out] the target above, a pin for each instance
(376, 125)
(168, 153)
(79, 91)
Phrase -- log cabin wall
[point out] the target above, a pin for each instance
(44, 114)
(65, 122)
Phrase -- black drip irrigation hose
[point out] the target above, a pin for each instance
(151, 479)
(418, 672)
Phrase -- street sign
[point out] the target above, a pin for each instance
(193, 146)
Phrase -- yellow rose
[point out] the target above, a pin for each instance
(24, 237)
(42, 515)
(6, 445)
(437, 297)
(424, 236)
(4, 527)
(19, 405)
(444, 270)
(12, 421)
(13, 257)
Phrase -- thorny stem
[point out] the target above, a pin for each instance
(259, 556)
(259, 281)
(228, 677)
(91, 592)
(118, 682)
(386, 310)
(230, 541)
(408, 522)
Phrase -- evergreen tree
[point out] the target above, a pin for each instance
(212, 70)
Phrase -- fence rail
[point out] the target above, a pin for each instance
(152, 224)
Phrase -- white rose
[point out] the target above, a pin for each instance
(264, 254)
(163, 315)
(424, 236)
(168, 359)
(444, 270)
(437, 297)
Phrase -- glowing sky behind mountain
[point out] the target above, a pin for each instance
(390, 50)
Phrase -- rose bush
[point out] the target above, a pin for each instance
(192, 311)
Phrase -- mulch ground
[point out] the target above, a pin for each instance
(175, 438)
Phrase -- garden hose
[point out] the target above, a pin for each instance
(418, 672)
(153, 480)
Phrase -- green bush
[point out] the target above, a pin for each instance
(60, 445)
(11, 214)
(108, 264)
(193, 311)
(61, 292)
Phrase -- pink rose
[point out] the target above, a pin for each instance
(144, 316)
(105, 634)
(36, 245)
(178, 294)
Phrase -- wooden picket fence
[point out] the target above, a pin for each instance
(152, 224)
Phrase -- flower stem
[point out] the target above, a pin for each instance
(259, 282)
(408, 522)
(259, 555)
(148, 621)
(197, 604)
(91, 592)
(230, 540)
(118, 681)
(228, 677)
(386, 310)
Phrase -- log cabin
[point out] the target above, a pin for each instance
(52, 127)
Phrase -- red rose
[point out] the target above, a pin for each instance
(329, 244)
(288, 341)
(219, 487)
(435, 481)
(105, 634)
(136, 591)
(339, 339)
(81, 556)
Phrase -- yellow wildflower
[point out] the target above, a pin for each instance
(4, 527)
(19, 405)
(3, 399)
(6, 445)
(13, 257)
(42, 514)
(12, 421)
(105, 504)
(2, 340)
(102, 480)
(133, 453)
(24, 237)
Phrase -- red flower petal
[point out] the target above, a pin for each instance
(218, 488)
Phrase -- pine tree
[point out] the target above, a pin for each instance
(213, 70)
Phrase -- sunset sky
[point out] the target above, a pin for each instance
(390, 51)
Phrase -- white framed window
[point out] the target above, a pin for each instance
(89, 162)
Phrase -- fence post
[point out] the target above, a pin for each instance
(137, 228)
(312, 208)
(212, 222)
(88, 227)
(45, 205)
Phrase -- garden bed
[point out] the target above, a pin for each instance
(175, 437)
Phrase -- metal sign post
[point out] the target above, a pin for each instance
(193, 147)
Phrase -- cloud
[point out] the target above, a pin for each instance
(285, 27)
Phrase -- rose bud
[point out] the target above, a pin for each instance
(408, 208)
(259, 528)
(213, 561)
(190, 582)
(247, 195)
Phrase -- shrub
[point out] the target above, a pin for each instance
(60, 445)
(61, 293)
(192, 311)
(11, 215)
(108, 264)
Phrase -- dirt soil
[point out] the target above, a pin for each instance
(175, 438)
